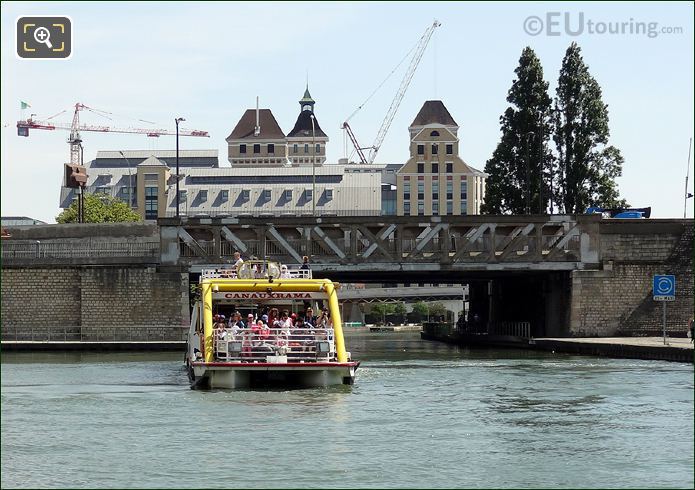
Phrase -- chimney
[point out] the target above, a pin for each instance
(257, 129)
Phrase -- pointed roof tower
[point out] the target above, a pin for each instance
(306, 102)
(303, 126)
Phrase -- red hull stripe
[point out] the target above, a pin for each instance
(277, 365)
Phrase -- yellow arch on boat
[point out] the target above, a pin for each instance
(278, 285)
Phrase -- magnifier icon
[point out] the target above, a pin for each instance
(43, 36)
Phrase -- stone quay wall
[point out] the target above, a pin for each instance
(617, 299)
(94, 304)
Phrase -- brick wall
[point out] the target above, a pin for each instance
(105, 303)
(618, 299)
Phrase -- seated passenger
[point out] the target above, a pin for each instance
(302, 335)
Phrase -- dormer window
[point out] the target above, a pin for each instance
(434, 133)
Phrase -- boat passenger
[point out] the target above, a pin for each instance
(302, 335)
(309, 317)
(284, 273)
(305, 263)
(273, 316)
(238, 261)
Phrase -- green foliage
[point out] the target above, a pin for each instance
(421, 309)
(437, 310)
(383, 309)
(524, 173)
(587, 166)
(400, 310)
(99, 208)
(522, 162)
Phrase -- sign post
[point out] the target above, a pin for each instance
(664, 289)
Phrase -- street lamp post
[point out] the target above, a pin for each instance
(130, 181)
(177, 121)
(313, 168)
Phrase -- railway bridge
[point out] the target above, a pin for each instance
(566, 275)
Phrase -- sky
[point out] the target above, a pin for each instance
(207, 62)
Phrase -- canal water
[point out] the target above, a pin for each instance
(420, 414)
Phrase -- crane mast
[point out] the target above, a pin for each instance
(414, 62)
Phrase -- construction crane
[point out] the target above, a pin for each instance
(419, 50)
(75, 140)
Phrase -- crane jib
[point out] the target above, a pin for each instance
(395, 103)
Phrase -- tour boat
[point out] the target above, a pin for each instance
(284, 354)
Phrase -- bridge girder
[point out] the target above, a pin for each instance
(388, 244)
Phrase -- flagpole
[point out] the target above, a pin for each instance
(687, 175)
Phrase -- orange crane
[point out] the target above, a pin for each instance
(75, 140)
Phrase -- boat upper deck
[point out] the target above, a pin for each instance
(257, 269)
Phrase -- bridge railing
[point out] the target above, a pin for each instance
(23, 250)
(512, 329)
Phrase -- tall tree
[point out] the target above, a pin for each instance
(587, 166)
(99, 208)
(521, 165)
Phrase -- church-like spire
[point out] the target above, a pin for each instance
(307, 103)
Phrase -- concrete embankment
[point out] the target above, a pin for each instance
(648, 348)
(653, 348)
(103, 346)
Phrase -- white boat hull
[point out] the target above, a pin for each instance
(248, 375)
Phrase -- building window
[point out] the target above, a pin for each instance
(435, 191)
(449, 189)
(435, 207)
(434, 133)
(328, 193)
(224, 195)
(420, 190)
(421, 168)
(464, 207)
(306, 148)
(256, 148)
(406, 207)
(435, 149)
(435, 168)
(245, 195)
(266, 195)
(449, 167)
(308, 194)
(271, 149)
(449, 207)
(449, 149)
(464, 190)
(151, 177)
(295, 148)
(287, 195)
(318, 149)
(151, 201)
(420, 208)
(420, 149)
(103, 189)
(406, 191)
(203, 195)
(242, 149)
